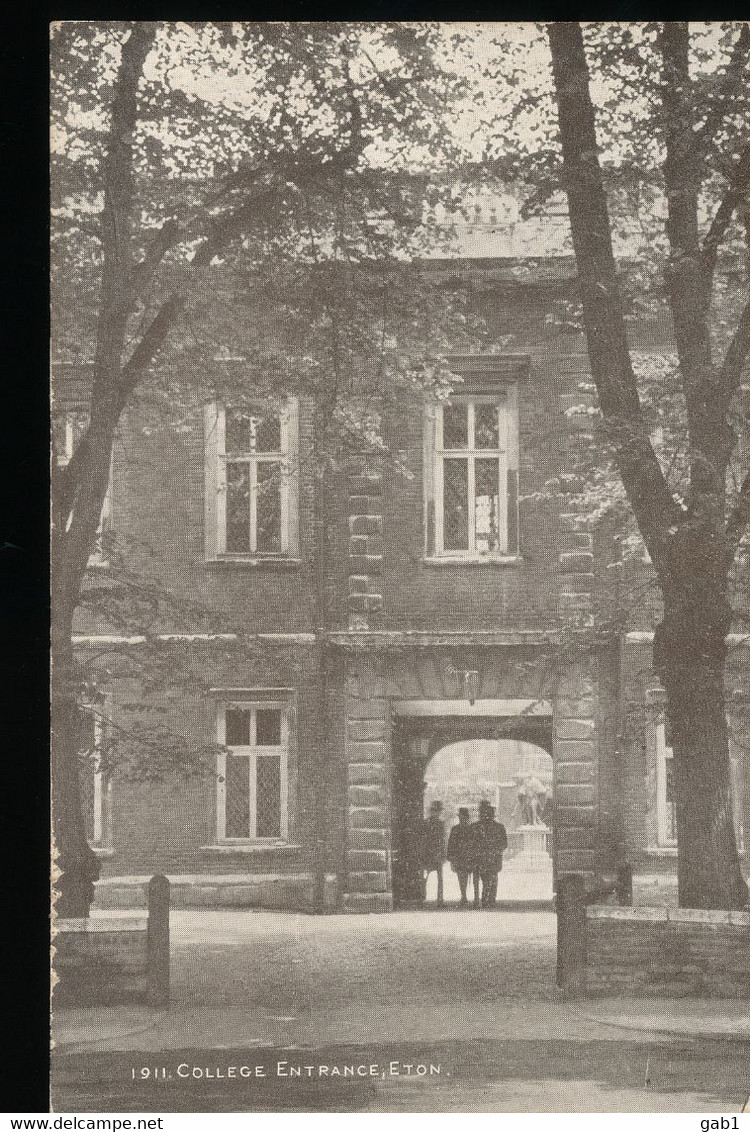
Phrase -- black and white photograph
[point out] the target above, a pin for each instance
(400, 564)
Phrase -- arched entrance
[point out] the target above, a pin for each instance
(459, 761)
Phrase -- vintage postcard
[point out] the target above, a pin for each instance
(400, 554)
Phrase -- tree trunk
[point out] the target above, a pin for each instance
(687, 547)
(689, 657)
(76, 862)
(708, 865)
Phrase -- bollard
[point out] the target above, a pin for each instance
(625, 884)
(571, 932)
(157, 943)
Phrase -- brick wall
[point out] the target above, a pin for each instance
(381, 582)
(169, 825)
(667, 952)
(100, 960)
(422, 593)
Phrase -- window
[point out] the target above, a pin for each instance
(251, 482)
(72, 427)
(252, 773)
(94, 783)
(666, 794)
(471, 477)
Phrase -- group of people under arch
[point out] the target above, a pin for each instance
(474, 850)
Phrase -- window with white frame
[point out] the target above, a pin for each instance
(251, 481)
(72, 427)
(253, 771)
(472, 482)
(666, 791)
(94, 783)
(666, 794)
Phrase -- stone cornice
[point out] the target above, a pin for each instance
(513, 366)
(380, 640)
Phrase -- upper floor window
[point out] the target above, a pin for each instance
(471, 476)
(70, 429)
(252, 771)
(251, 481)
(94, 782)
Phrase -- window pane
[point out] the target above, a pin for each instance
(237, 788)
(86, 772)
(88, 764)
(268, 727)
(59, 435)
(455, 505)
(486, 509)
(238, 727)
(268, 796)
(671, 806)
(79, 426)
(238, 508)
(455, 426)
(86, 733)
(486, 431)
(237, 436)
(268, 433)
(269, 507)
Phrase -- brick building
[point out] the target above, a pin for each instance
(450, 588)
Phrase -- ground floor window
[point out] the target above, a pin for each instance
(666, 795)
(252, 771)
(69, 431)
(666, 788)
(94, 782)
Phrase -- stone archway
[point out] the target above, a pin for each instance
(516, 777)
(417, 740)
(419, 695)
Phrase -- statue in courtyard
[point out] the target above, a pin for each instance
(531, 801)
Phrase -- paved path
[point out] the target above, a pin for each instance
(472, 991)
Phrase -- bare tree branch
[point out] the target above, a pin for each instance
(165, 238)
(611, 365)
(149, 346)
(738, 183)
(118, 200)
(706, 397)
(736, 355)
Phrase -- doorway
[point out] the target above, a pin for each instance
(459, 762)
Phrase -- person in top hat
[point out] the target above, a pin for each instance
(433, 849)
(491, 841)
(461, 851)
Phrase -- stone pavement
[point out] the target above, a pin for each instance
(613, 1019)
(243, 978)
(470, 992)
(517, 886)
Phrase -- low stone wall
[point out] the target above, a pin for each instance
(102, 960)
(287, 891)
(111, 958)
(670, 952)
